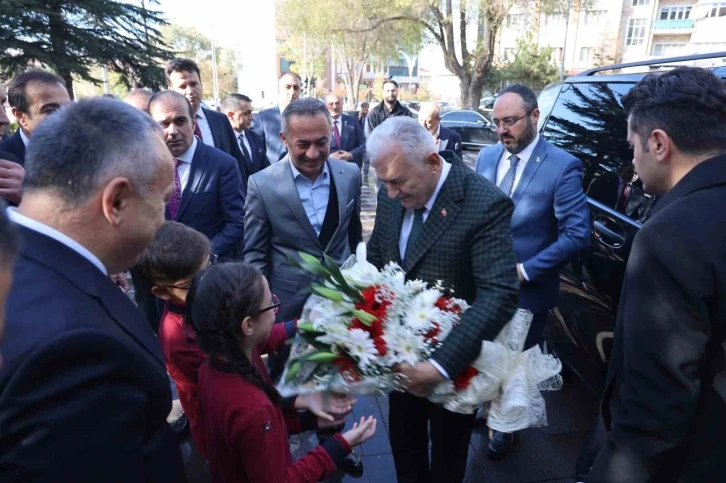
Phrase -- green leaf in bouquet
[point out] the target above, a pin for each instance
(327, 293)
(321, 357)
(340, 280)
(364, 316)
(306, 327)
(293, 370)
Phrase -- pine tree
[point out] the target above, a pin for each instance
(71, 37)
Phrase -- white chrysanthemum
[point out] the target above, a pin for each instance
(360, 346)
(422, 313)
(404, 346)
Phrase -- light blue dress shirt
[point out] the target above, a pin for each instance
(313, 195)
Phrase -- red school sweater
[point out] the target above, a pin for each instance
(247, 434)
(183, 359)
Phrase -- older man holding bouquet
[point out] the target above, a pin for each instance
(440, 222)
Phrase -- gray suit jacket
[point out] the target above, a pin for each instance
(277, 228)
(268, 125)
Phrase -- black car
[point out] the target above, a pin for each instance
(584, 116)
(474, 128)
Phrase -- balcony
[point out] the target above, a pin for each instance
(680, 26)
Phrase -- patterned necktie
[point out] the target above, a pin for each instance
(508, 181)
(245, 153)
(336, 134)
(175, 200)
(197, 131)
(418, 223)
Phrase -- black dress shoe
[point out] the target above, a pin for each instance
(353, 465)
(500, 445)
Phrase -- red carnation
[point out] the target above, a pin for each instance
(347, 367)
(431, 334)
(448, 304)
(463, 381)
(370, 305)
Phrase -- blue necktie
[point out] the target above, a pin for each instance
(418, 223)
(508, 180)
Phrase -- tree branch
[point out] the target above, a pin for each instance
(462, 33)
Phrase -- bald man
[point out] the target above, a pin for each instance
(139, 98)
(347, 141)
(429, 116)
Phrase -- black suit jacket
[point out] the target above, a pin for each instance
(224, 136)
(213, 200)
(452, 139)
(14, 145)
(258, 153)
(663, 409)
(84, 393)
(352, 139)
(466, 242)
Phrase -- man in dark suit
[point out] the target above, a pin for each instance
(238, 109)
(267, 124)
(210, 126)
(208, 194)
(551, 220)
(363, 115)
(8, 250)
(662, 411)
(445, 139)
(347, 142)
(440, 221)
(33, 96)
(84, 393)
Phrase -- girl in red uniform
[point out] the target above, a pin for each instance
(232, 311)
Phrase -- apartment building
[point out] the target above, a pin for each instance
(614, 31)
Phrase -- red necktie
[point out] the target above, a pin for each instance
(197, 131)
(336, 134)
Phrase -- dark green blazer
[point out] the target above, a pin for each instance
(466, 242)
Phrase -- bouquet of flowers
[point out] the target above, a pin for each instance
(360, 322)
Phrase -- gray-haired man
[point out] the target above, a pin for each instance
(84, 389)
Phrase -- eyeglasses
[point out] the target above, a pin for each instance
(275, 307)
(510, 121)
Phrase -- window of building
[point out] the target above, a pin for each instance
(636, 31)
(667, 50)
(716, 9)
(518, 20)
(638, 3)
(675, 12)
(554, 20)
(593, 17)
(585, 54)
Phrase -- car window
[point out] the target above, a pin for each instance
(453, 116)
(471, 117)
(588, 121)
(546, 101)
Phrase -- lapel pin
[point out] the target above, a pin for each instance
(444, 212)
(537, 160)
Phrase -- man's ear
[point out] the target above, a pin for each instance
(115, 199)
(284, 140)
(160, 293)
(434, 161)
(660, 144)
(230, 115)
(20, 116)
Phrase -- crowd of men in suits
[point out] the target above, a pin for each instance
(84, 394)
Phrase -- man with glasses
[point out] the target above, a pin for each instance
(551, 221)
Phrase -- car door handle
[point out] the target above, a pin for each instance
(606, 235)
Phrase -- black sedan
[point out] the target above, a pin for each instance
(473, 127)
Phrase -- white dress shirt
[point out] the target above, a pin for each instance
(25, 138)
(44, 229)
(186, 164)
(504, 164)
(407, 225)
(204, 127)
(245, 141)
(313, 195)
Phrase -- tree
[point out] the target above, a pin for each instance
(355, 37)
(72, 37)
(190, 43)
(532, 65)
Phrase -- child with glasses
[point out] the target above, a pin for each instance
(170, 262)
(247, 423)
